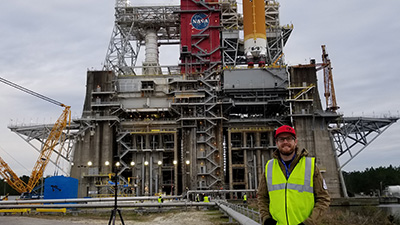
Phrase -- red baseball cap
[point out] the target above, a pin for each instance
(285, 129)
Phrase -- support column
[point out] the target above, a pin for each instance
(230, 160)
(245, 162)
(176, 165)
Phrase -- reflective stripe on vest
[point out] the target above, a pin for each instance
(292, 199)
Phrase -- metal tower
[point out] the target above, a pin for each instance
(137, 26)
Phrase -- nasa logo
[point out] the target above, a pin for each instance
(200, 21)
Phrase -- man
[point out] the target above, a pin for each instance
(197, 198)
(292, 190)
(160, 199)
(206, 199)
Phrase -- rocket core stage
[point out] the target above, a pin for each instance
(255, 38)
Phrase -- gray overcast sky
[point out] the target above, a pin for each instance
(47, 46)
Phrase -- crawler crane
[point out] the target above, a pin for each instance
(52, 140)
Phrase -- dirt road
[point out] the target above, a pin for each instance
(178, 218)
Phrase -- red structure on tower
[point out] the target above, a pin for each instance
(200, 35)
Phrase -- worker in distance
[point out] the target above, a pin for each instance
(292, 190)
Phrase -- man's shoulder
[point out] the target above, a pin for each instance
(303, 152)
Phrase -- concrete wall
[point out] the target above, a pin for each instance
(97, 146)
(313, 135)
(96, 143)
(96, 81)
(312, 127)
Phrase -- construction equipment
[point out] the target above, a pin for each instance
(55, 137)
(5, 198)
(329, 94)
(329, 88)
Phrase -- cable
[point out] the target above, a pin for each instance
(31, 92)
(15, 160)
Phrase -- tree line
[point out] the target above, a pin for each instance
(5, 188)
(371, 179)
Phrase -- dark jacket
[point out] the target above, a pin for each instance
(321, 195)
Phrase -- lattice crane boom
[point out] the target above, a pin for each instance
(330, 96)
(52, 140)
(48, 147)
(11, 178)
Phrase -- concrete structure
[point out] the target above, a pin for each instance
(208, 126)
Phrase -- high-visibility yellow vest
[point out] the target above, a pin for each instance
(206, 199)
(291, 200)
(244, 197)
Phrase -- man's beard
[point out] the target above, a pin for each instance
(287, 153)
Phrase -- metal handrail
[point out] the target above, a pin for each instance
(243, 215)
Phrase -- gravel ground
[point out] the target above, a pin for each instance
(179, 218)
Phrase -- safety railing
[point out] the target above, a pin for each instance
(242, 214)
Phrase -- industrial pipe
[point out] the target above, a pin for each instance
(76, 200)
